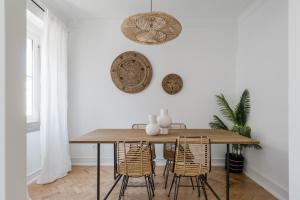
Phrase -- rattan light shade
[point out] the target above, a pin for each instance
(151, 28)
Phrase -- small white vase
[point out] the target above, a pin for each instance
(164, 120)
(153, 127)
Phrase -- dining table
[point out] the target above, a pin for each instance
(112, 136)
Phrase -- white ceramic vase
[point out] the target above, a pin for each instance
(164, 121)
(153, 127)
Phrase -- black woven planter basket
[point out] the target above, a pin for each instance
(236, 163)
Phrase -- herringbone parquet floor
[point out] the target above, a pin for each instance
(80, 184)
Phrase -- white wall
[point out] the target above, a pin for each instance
(262, 67)
(204, 55)
(34, 159)
(2, 102)
(294, 99)
(12, 103)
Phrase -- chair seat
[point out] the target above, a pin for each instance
(134, 171)
(192, 169)
(135, 168)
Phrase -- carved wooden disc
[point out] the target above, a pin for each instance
(131, 72)
(172, 84)
(151, 28)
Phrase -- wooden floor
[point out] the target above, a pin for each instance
(80, 184)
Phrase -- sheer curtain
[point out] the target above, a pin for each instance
(56, 161)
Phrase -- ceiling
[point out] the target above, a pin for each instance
(115, 9)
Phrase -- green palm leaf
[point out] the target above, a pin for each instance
(242, 109)
(218, 123)
(239, 117)
(225, 108)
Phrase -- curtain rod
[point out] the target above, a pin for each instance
(40, 7)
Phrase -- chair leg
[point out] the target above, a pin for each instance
(122, 187)
(126, 183)
(151, 182)
(203, 188)
(177, 188)
(172, 185)
(198, 185)
(153, 167)
(211, 189)
(165, 167)
(167, 177)
(148, 188)
(192, 182)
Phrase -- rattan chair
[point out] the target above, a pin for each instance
(134, 159)
(169, 152)
(192, 159)
(134, 126)
(143, 126)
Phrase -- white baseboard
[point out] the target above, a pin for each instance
(270, 185)
(218, 161)
(214, 162)
(91, 161)
(108, 161)
(32, 177)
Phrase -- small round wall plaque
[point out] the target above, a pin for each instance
(172, 84)
(131, 72)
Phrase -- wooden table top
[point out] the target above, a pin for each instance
(114, 135)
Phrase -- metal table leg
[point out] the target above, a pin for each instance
(98, 171)
(114, 185)
(227, 174)
(115, 161)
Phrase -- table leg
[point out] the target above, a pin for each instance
(98, 171)
(227, 174)
(115, 161)
(114, 185)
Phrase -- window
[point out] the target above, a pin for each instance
(34, 32)
(32, 80)
(29, 79)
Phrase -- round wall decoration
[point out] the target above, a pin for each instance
(131, 72)
(151, 28)
(172, 84)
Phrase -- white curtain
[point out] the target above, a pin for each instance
(56, 161)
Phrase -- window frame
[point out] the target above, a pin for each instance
(34, 32)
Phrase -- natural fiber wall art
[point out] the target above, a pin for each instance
(151, 28)
(172, 84)
(131, 72)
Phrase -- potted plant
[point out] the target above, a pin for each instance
(238, 117)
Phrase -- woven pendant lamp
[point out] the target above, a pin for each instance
(151, 27)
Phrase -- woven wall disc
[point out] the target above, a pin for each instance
(131, 72)
(172, 84)
(151, 28)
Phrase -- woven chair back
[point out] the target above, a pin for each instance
(134, 158)
(192, 156)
